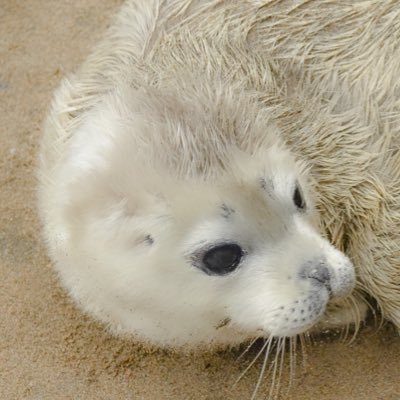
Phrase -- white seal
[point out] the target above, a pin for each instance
(172, 208)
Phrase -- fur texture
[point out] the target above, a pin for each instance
(205, 94)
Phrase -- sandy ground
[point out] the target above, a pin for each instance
(48, 349)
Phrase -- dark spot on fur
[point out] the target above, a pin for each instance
(149, 240)
(223, 323)
(267, 185)
(227, 211)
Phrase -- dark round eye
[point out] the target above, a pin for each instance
(222, 259)
(298, 199)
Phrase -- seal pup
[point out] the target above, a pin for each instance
(172, 208)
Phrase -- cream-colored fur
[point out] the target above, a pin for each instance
(187, 109)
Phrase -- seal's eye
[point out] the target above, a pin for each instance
(222, 259)
(298, 199)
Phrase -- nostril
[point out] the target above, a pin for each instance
(320, 274)
(317, 271)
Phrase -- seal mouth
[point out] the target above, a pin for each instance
(300, 314)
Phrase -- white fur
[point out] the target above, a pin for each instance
(139, 166)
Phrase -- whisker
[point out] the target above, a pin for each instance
(283, 348)
(362, 294)
(246, 349)
(344, 332)
(357, 318)
(308, 339)
(275, 364)
(292, 360)
(254, 360)
(377, 314)
(261, 375)
(303, 349)
(362, 297)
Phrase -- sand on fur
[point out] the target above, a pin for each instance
(48, 349)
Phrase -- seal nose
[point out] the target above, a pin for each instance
(317, 271)
(320, 274)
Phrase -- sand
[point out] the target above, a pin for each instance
(48, 348)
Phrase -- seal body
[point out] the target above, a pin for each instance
(196, 167)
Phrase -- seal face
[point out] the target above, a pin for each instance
(220, 252)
